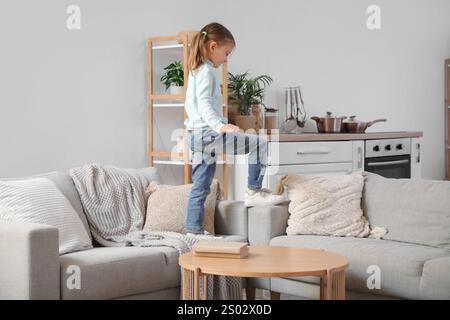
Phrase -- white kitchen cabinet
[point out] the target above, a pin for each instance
(283, 153)
(322, 158)
(318, 158)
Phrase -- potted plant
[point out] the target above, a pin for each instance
(247, 94)
(235, 83)
(173, 78)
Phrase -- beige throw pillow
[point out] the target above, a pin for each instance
(326, 205)
(167, 207)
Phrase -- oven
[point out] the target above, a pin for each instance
(390, 158)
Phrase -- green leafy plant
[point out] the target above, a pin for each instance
(174, 74)
(247, 91)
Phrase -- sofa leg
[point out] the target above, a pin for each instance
(250, 292)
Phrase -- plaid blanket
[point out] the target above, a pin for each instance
(114, 201)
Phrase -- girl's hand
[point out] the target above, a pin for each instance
(230, 128)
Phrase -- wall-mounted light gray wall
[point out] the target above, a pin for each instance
(74, 97)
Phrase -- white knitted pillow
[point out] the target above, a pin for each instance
(326, 205)
(39, 201)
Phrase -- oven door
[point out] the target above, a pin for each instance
(390, 167)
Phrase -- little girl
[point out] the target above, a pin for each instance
(209, 132)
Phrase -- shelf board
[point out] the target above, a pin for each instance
(172, 97)
(166, 154)
(167, 46)
(176, 97)
(179, 163)
(168, 105)
(165, 105)
(168, 162)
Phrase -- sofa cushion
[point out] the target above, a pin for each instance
(67, 187)
(400, 264)
(414, 211)
(40, 201)
(435, 283)
(113, 272)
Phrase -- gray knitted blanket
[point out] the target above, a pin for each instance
(114, 201)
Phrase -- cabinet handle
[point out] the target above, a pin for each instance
(418, 152)
(312, 152)
(360, 157)
(386, 163)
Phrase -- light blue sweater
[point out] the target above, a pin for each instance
(204, 99)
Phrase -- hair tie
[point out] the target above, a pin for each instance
(204, 33)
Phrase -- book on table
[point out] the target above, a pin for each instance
(220, 249)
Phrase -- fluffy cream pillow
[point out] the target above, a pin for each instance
(40, 201)
(326, 205)
(167, 207)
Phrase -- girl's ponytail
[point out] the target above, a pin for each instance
(196, 56)
(211, 32)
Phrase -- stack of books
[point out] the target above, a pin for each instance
(220, 249)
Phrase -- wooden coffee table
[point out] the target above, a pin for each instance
(267, 261)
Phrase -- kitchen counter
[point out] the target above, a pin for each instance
(285, 137)
(313, 153)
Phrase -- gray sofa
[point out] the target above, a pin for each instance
(31, 267)
(414, 266)
(413, 259)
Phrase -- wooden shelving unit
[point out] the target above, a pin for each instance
(181, 41)
(447, 117)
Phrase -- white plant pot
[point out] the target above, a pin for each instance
(176, 90)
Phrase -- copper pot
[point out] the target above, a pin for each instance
(352, 126)
(329, 124)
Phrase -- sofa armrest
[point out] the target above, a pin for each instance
(231, 218)
(29, 261)
(265, 223)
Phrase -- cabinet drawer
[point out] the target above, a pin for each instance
(309, 152)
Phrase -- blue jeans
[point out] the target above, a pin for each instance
(205, 145)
